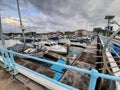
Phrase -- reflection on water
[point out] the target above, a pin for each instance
(10, 42)
(75, 51)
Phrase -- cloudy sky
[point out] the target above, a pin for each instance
(58, 15)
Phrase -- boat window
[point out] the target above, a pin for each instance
(47, 45)
(51, 44)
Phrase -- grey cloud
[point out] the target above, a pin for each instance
(72, 13)
(65, 11)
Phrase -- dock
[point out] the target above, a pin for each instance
(84, 60)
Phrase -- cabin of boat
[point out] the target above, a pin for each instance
(52, 46)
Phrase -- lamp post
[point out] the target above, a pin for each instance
(109, 18)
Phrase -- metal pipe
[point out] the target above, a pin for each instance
(71, 67)
(111, 37)
(42, 79)
(116, 23)
(21, 24)
(55, 63)
(1, 34)
(34, 75)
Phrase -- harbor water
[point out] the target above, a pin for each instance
(74, 51)
(10, 43)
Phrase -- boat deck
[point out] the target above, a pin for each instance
(36, 66)
(19, 82)
(24, 83)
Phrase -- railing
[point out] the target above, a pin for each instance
(110, 45)
(9, 63)
(108, 58)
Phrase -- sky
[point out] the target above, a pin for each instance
(58, 15)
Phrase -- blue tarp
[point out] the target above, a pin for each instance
(58, 76)
(58, 68)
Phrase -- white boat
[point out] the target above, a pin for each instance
(34, 52)
(52, 46)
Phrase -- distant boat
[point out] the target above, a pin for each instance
(33, 51)
(52, 46)
(30, 39)
(44, 38)
(54, 37)
(72, 43)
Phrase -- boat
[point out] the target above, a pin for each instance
(54, 37)
(24, 48)
(30, 39)
(115, 49)
(72, 43)
(44, 38)
(29, 50)
(52, 46)
(33, 52)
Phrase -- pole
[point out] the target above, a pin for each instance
(1, 34)
(116, 23)
(68, 51)
(21, 25)
(108, 24)
(111, 37)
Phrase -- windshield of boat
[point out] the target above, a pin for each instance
(47, 45)
(53, 44)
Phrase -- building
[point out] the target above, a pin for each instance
(97, 30)
(81, 32)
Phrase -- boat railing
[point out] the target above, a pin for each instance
(110, 46)
(113, 67)
(8, 61)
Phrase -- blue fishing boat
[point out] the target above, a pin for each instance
(116, 49)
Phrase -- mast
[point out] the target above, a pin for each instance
(1, 34)
(21, 25)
